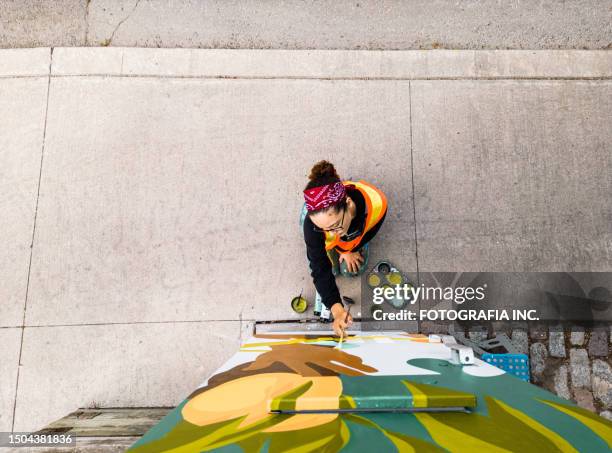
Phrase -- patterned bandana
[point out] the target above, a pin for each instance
(324, 196)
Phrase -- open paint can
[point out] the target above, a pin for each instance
(299, 304)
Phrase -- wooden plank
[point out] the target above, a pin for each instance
(108, 422)
(91, 445)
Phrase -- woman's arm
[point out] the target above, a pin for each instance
(320, 266)
(342, 319)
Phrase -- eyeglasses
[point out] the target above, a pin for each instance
(321, 230)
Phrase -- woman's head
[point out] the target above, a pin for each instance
(326, 199)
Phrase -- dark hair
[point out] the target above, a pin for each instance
(323, 172)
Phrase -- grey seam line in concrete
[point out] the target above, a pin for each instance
(416, 238)
(30, 326)
(316, 64)
(201, 321)
(356, 79)
(365, 79)
(25, 304)
(240, 333)
(23, 76)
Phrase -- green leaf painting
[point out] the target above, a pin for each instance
(427, 404)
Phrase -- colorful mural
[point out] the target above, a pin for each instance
(386, 391)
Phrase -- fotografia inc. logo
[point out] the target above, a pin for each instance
(411, 294)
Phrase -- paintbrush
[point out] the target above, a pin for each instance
(350, 302)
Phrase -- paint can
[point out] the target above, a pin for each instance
(383, 267)
(299, 304)
(373, 280)
(321, 310)
(394, 277)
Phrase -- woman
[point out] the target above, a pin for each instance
(341, 218)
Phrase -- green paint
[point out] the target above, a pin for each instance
(426, 395)
(508, 414)
(163, 427)
(518, 394)
(401, 441)
(364, 435)
(393, 392)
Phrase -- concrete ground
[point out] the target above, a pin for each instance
(310, 24)
(151, 196)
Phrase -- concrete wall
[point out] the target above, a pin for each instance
(310, 24)
(151, 197)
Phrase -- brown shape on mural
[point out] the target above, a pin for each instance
(302, 359)
(298, 357)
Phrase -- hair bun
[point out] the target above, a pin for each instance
(323, 169)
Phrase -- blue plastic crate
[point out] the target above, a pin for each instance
(515, 364)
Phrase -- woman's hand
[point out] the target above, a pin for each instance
(353, 260)
(339, 314)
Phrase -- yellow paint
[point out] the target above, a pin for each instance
(345, 434)
(419, 338)
(289, 341)
(324, 394)
(601, 428)
(287, 400)
(426, 395)
(419, 399)
(244, 404)
(299, 304)
(301, 421)
(373, 280)
(315, 445)
(455, 440)
(555, 438)
(395, 278)
(214, 439)
(248, 396)
(350, 400)
(403, 446)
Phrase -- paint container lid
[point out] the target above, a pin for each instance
(299, 304)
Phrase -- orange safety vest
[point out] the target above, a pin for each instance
(376, 207)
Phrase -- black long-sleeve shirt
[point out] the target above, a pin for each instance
(321, 268)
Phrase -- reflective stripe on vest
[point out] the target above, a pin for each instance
(376, 205)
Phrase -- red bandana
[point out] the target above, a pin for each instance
(324, 196)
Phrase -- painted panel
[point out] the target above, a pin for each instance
(231, 411)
